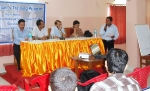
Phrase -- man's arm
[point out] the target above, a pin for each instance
(116, 34)
(33, 34)
(54, 33)
(63, 33)
(46, 34)
(15, 34)
(103, 30)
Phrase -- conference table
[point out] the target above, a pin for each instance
(44, 56)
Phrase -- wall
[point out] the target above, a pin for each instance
(135, 14)
(90, 13)
(147, 12)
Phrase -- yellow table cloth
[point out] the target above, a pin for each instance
(45, 57)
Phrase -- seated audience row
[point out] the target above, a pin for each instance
(63, 79)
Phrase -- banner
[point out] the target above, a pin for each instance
(11, 12)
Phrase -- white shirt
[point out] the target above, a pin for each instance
(56, 32)
(39, 34)
(110, 31)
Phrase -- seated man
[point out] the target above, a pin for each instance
(57, 31)
(117, 60)
(63, 79)
(40, 32)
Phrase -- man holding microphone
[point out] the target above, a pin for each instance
(57, 31)
(109, 33)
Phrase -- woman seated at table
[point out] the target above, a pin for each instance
(76, 31)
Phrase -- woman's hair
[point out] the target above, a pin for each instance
(63, 79)
(117, 60)
(76, 22)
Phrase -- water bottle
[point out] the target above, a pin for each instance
(52, 36)
(95, 33)
(30, 37)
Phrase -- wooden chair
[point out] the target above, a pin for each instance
(49, 32)
(67, 31)
(141, 75)
(43, 82)
(146, 58)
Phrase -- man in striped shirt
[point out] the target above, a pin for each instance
(115, 65)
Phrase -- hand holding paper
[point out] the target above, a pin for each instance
(110, 35)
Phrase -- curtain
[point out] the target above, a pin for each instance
(147, 12)
(118, 14)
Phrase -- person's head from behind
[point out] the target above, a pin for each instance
(58, 24)
(40, 23)
(109, 20)
(76, 24)
(63, 79)
(116, 61)
(21, 24)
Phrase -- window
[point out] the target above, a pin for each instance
(119, 2)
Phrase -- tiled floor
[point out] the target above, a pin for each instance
(3, 82)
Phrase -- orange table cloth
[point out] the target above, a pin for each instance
(45, 57)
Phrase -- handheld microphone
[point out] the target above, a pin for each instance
(105, 28)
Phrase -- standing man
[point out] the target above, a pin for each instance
(20, 34)
(57, 31)
(109, 33)
(40, 32)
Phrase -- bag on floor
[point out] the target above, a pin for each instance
(85, 76)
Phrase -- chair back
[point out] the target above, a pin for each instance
(94, 80)
(67, 31)
(43, 82)
(8, 88)
(141, 75)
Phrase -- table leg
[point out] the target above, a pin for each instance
(76, 68)
(103, 67)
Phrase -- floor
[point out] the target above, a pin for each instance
(3, 82)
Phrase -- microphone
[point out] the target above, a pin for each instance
(62, 37)
(105, 28)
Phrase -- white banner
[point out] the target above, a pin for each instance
(11, 12)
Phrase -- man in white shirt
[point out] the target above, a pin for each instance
(40, 32)
(57, 31)
(109, 33)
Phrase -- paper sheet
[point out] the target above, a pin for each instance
(110, 34)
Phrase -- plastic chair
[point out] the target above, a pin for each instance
(43, 82)
(141, 75)
(8, 88)
(94, 80)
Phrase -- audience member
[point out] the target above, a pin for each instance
(57, 31)
(76, 31)
(40, 32)
(63, 79)
(116, 62)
